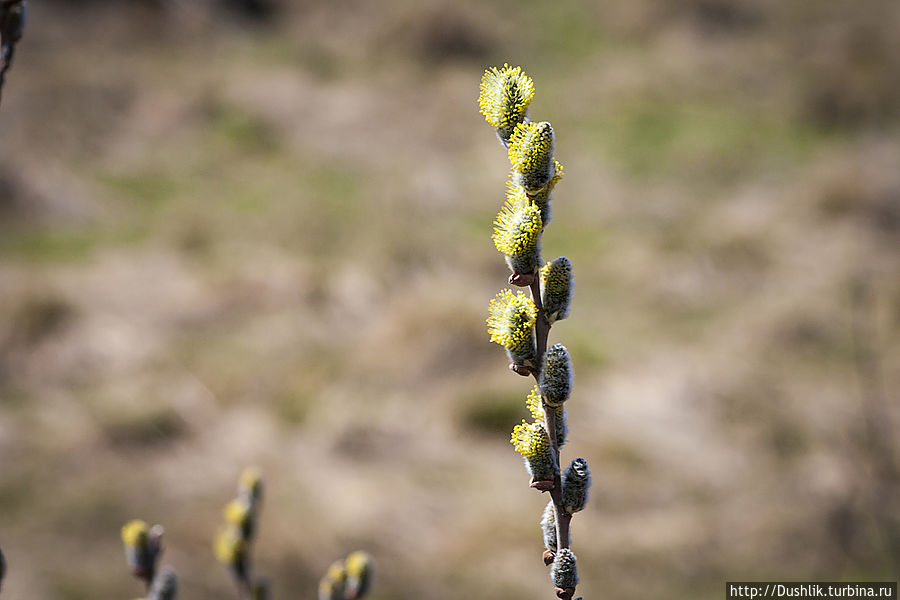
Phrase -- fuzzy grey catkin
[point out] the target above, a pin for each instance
(556, 375)
(556, 288)
(576, 485)
(564, 571)
(548, 527)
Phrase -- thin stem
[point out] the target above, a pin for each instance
(542, 332)
(562, 517)
(541, 327)
(148, 580)
(243, 577)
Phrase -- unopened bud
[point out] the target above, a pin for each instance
(564, 571)
(576, 486)
(556, 288)
(556, 375)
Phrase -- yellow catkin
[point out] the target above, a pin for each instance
(512, 318)
(530, 143)
(535, 404)
(134, 533)
(250, 483)
(237, 513)
(228, 546)
(517, 227)
(530, 439)
(504, 97)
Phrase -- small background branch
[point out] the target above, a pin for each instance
(11, 25)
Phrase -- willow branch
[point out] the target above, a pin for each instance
(542, 332)
(11, 24)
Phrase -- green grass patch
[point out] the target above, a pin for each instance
(146, 189)
(644, 137)
(241, 129)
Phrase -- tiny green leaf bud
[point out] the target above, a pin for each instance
(531, 155)
(556, 288)
(531, 441)
(164, 586)
(332, 585)
(556, 376)
(564, 573)
(548, 527)
(359, 575)
(250, 487)
(517, 234)
(576, 486)
(511, 324)
(504, 99)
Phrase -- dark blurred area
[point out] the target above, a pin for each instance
(241, 232)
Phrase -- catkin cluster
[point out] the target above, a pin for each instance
(521, 323)
(233, 541)
(143, 548)
(348, 579)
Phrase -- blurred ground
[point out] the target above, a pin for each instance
(227, 241)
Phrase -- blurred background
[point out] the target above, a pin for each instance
(258, 232)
